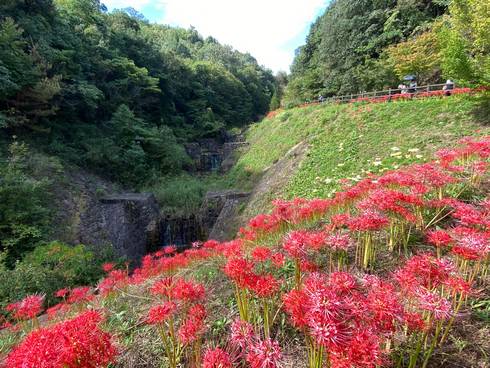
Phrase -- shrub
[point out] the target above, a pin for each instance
(49, 268)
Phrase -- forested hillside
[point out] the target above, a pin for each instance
(114, 93)
(365, 45)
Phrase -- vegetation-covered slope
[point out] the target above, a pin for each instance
(110, 93)
(351, 140)
(357, 46)
(114, 93)
(391, 272)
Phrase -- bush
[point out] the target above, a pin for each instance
(49, 268)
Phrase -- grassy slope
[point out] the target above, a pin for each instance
(348, 141)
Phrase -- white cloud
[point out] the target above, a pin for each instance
(262, 27)
(116, 4)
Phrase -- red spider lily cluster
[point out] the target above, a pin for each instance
(26, 309)
(375, 276)
(179, 301)
(78, 342)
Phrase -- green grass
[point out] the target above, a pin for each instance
(345, 141)
(183, 194)
(350, 141)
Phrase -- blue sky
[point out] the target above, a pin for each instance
(269, 29)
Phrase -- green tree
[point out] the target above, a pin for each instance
(346, 42)
(24, 214)
(419, 55)
(466, 42)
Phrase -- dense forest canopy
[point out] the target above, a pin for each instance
(112, 91)
(366, 45)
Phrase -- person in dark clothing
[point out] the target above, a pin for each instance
(412, 88)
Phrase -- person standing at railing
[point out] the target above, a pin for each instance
(448, 87)
(402, 88)
(412, 87)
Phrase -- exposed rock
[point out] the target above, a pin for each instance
(273, 180)
(128, 221)
(220, 213)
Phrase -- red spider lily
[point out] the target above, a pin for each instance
(240, 271)
(330, 333)
(414, 322)
(300, 209)
(350, 320)
(163, 287)
(447, 156)
(296, 244)
(285, 210)
(242, 333)
(160, 313)
(169, 250)
(296, 308)
(265, 286)
(339, 241)
(431, 175)
(211, 244)
(278, 259)
(27, 308)
(188, 291)
(115, 279)
(193, 326)
(468, 215)
(231, 249)
(471, 244)
(384, 307)
(216, 358)
(261, 254)
(78, 342)
(439, 238)
(363, 351)
(264, 354)
(80, 295)
(342, 282)
(458, 285)
(61, 293)
(355, 192)
(108, 267)
(339, 221)
(264, 223)
(432, 302)
(423, 270)
(368, 220)
(400, 178)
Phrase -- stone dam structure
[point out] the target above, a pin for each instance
(133, 224)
